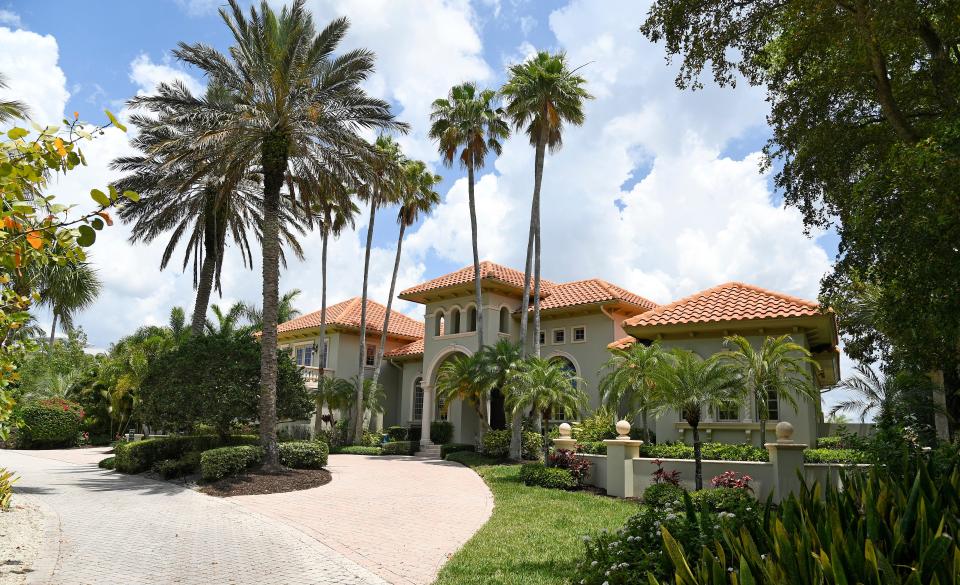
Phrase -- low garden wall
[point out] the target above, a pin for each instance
(760, 472)
(597, 476)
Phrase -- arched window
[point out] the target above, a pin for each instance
(455, 321)
(504, 320)
(438, 324)
(472, 319)
(418, 399)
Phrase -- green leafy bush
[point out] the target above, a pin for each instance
(358, 450)
(226, 461)
(371, 439)
(531, 446)
(139, 456)
(538, 474)
(735, 501)
(592, 447)
(414, 433)
(455, 448)
(304, 454)
(834, 456)
(398, 433)
(709, 451)
(496, 444)
(107, 463)
(597, 427)
(171, 468)
(441, 431)
(399, 448)
(661, 494)
(49, 424)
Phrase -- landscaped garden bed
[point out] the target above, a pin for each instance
(256, 482)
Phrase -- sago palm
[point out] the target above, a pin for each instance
(467, 125)
(688, 384)
(298, 109)
(779, 368)
(629, 382)
(417, 197)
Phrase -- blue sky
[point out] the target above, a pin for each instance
(660, 191)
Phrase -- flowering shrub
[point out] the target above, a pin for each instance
(50, 424)
(662, 476)
(729, 479)
(577, 466)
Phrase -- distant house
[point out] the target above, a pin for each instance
(580, 320)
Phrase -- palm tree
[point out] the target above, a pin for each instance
(11, 109)
(780, 368)
(460, 378)
(630, 380)
(417, 197)
(687, 384)
(496, 362)
(541, 385)
(297, 109)
(227, 321)
(889, 399)
(286, 311)
(467, 121)
(542, 94)
(383, 187)
(185, 193)
(66, 290)
(336, 393)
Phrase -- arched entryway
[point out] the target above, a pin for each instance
(466, 423)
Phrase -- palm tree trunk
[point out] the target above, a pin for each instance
(697, 457)
(204, 288)
(358, 410)
(53, 334)
(274, 158)
(322, 364)
(386, 319)
(763, 431)
(476, 257)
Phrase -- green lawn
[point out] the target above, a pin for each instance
(534, 536)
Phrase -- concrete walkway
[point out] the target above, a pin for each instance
(380, 520)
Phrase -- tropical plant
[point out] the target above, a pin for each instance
(286, 311)
(541, 385)
(629, 382)
(495, 363)
(384, 187)
(460, 378)
(779, 368)
(687, 384)
(283, 77)
(11, 109)
(416, 197)
(889, 399)
(468, 121)
(7, 478)
(65, 290)
(336, 393)
(227, 322)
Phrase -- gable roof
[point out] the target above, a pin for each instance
(347, 314)
(488, 271)
(732, 301)
(590, 291)
(412, 349)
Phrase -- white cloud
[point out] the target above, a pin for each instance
(29, 62)
(9, 17)
(200, 7)
(148, 75)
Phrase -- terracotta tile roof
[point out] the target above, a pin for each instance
(622, 343)
(733, 301)
(590, 291)
(488, 271)
(347, 314)
(411, 349)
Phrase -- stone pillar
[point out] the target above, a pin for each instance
(787, 459)
(564, 441)
(427, 417)
(620, 455)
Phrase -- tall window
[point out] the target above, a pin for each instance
(543, 337)
(472, 319)
(773, 407)
(441, 412)
(504, 320)
(455, 321)
(324, 354)
(304, 356)
(438, 325)
(728, 412)
(418, 399)
(371, 354)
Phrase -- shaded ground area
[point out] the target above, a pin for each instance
(259, 482)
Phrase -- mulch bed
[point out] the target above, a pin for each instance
(260, 482)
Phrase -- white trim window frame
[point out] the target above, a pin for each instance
(563, 336)
(303, 354)
(583, 334)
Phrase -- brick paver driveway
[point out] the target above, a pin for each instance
(110, 528)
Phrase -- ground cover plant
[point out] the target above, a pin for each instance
(533, 534)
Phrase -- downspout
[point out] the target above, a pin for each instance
(613, 323)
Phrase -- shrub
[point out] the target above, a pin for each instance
(597, 427)
(849, 456)
(139, 456)
(398, 433)
(371, 439)
(399, 448)
(709, 451)
(730, 479)
(226, 461)
(577, 466)
(592, 447)
(660, 494)
(538, 474)
(358, 450)
(728, 500)
(531, 445)
(455, 448)
(496, 444)
(304, 454)
(660, 475)
(107, 463)
(171, 468)
(49, 424)
(441, 432)
(414, 433)
(7, 480)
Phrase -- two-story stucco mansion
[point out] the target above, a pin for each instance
(581, 320)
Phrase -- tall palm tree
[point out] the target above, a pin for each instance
(542, 385)
(780, 368)
(417, 197)
(460, 378)
(542, 95)
(497, 361)
(185, 192)
(629, 382)
(383, 187)
(467, 121)
(11, 109)
(687, 384)
(298, 108)
(66, 290)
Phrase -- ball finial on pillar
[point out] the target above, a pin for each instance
(784, 432)
(565, 430)
(623, 429)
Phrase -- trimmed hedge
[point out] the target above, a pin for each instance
(49, 424)
(849, 456)
(358, 450)
(592, 447)
(171, 468)
(304, 454)
(441, 432)
(107, 463)
(455, 448)
(497, 444)
(398, 433)
(709, 451)
(399, 448)
(658, 494)
(226, 461)
(139, 456)
(538, 474)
